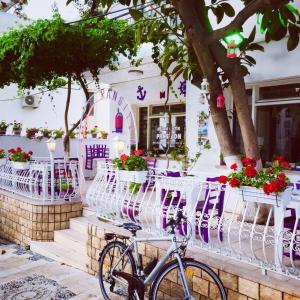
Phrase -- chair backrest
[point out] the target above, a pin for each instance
(151, 163)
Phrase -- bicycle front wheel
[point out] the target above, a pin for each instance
(203, 282)
(115, 256)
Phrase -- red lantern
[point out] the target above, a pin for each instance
(231, 50)
(221, 101)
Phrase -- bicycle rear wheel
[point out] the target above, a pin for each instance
(202, 281)
(113, 287)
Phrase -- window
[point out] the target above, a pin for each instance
(279, 92)
(155, 126)
(278, 131)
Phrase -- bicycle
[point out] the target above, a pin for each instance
(121, 276)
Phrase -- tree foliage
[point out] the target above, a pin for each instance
(39, 53)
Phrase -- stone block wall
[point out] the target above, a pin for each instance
(22, 220)
(239, 287)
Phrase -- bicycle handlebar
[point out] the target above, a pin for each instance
(174, 222)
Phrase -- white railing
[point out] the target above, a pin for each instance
(242, 224)
(35, 182)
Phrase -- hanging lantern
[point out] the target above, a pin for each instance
(221, 101)
(232, 50)
(233, 41)
(205, 86)
(119, 122)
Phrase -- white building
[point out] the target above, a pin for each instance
(274, 100)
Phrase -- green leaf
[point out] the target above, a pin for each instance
(228, 9)
(136, 14)
(252, 35)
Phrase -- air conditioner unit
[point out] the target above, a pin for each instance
(30, 101)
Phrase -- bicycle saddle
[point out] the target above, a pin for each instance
(133, 228)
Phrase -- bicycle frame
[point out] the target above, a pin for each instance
(173, 249)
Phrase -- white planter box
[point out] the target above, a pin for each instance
(253, 194)
(20, 165)
(2, 161)
(132, 176)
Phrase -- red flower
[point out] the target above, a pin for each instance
(25, 155)
(281, 176)
(248, 161)
(223, 179)
(267, 188)
(124, 157)
(138, 152)
(250, 171)
(234, 182)
(234, 166)
(285, 164)
(19, 149)
(11, 150)
(30, 152)
(275, 186)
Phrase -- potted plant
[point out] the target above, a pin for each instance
(103, 134)
(31, 133)
(131, 168)
(57, 133)
(19, 158)
(17, 128)
(46, 132)
(94, 131)
(2, 157)
(268, 185)
(3, 127)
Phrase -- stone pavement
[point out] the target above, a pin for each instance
(25, 275)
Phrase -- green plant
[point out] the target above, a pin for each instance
(2, 153)
(271, 180)
(134, 187)
(57, 133)
(18, 155)
(46, 133)
(17, 126)
(3, 125)
(94, 130)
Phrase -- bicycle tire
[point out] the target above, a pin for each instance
(159, 290)
(105, 285)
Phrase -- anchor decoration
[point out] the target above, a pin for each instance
(182, 88)
(141, 93)
(162, 95)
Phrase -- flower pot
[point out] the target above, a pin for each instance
(252, 194)
(132, 176)
(2, 161)
(2, 131)
(94, 135)
(20, 165)
(17, 132)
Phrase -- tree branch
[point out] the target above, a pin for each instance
(236, 25)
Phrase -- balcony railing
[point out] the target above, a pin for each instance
(35, 182)
(242, 224)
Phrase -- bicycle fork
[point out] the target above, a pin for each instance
(187, 294)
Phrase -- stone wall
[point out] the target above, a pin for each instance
(23, 220)
(242, 281)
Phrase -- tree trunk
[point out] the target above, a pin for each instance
(240, 99)
(188, 10)
(67, 136)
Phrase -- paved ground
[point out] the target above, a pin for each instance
(25, 275)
